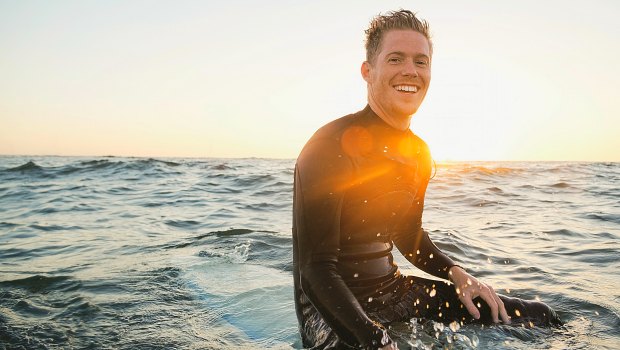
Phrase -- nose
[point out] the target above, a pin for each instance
(410, 69)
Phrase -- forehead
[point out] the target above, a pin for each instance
(404, 41)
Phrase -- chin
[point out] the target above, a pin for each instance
(407, 109)
(408, 112)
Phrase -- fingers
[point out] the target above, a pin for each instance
(487, 295)
(469, 305)
(502, 309)
(470, 288)
(495, 304)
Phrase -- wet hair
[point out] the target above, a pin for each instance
(381, 24)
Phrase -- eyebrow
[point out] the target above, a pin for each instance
(400, 53)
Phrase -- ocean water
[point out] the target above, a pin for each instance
(133, 253)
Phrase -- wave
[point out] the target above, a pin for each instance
(560, 185)
(30, 166)
(49, 228)
(92, 166)
(40, 283)
(254, 180)
(183, 223)
(222, 167)
(470, 168)
(615, 218)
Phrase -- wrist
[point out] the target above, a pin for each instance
(454, 269)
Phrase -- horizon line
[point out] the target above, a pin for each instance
(439, 161)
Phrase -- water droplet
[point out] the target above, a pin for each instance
(489, 260)
(431, 256)
(370, 300)
(432, 293)
(517, 312)
(508, 290)
(478, 304)
(356, 275)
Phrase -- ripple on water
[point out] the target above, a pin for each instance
(175, 253)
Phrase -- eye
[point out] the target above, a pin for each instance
(394, 60)
(421, 63)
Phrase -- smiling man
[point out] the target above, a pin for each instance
(359, 192)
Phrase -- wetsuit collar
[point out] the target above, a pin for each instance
(370, 114)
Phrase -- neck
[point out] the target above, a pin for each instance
(401, 123)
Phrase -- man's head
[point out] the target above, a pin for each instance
(398, 66)
(403, 19)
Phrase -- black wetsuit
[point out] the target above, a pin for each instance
(359, 191)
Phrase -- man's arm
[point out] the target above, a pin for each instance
(411, 240)
(418, 248)
(424, 254)
(322, 175)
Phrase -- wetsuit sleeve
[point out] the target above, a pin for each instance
(414, 243)
(322, 175)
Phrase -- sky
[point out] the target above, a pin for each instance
(511, 80)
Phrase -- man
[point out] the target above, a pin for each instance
(359, 191)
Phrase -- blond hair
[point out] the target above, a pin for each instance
(381, 24)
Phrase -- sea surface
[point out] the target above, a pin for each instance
(137, 253)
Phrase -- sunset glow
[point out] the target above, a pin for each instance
(525, 80)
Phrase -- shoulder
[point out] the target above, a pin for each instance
(334, 129)
(423, 156)
(327, 139)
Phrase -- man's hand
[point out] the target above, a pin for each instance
(468, 288)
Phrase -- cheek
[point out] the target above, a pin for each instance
(427, 76)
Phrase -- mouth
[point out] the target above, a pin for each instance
(411, 89)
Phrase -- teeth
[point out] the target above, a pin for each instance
(407, 88)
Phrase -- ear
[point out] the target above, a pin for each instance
(365, 69)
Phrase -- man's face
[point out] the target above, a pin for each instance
(399, 77)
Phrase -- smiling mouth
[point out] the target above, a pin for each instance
(406, 88)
